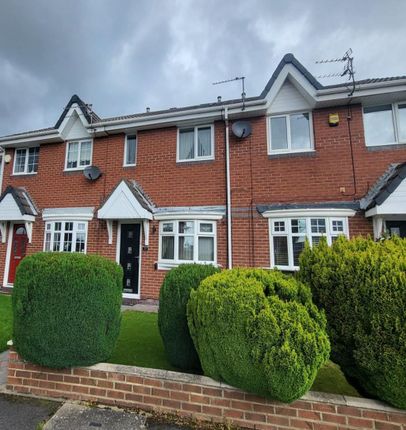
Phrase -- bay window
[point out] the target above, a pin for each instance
(65, 236)
(385, 124)
(187, 242)
(78, 154)
(288, 237)
(195, 143)
(290, 133)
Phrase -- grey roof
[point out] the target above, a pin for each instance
(23, 200)
(384, 186)
(287, 59)
(143, 198)
(312, 205)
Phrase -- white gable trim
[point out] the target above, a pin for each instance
(395, 204)
(9, 210)
(73, 115)
(122, 204)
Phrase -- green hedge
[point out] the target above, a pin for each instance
(66, 309)
(361, 284)
(172, 321)
(258, 330)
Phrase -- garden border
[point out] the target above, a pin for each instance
(199, 397)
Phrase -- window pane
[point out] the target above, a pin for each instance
(73, 149)
(85, 153)
(279, 226)
(280, 249)
(204, 142)
(337, 226)
(379, 125)
(206, 228)
(186, 248)
(58, 226)
(318, 225)
(402, 122)
(168, 247)
(186, 227)
(57, 241)
(33, 155)
(67, 242)
(186, 145)
(80, 242)
(298, 245)
(48, 241)
(316, 240)
(20, 161)
(298, 225)
(130, 150)
(167, 227)
(300, 131)
(68, 226)
(206, 249)
(279, 135)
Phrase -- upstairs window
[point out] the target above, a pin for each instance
(26, 161)
(78, 154)
(130, 151)
(385, 124)
(291, 133)
(195, 143)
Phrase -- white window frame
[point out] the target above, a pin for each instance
(196, 144)
(25, 172)
(289, 149)
(330, 233)
(79, 167)
(125, 164)
(168, 263)
(395, 123)
(62, 231)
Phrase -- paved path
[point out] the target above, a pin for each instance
(3, 369)
(142, 307)
(23, 413)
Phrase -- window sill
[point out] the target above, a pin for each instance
(24, 174)
(311, 153)
(129, 166)
(386, 147)
(192, 162)
(286, 268)
(164, 265)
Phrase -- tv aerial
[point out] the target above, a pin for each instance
(238, 78)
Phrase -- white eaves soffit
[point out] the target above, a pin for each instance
(122, 204)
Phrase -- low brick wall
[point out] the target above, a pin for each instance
(199, 397)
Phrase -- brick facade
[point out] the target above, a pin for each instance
(199, 398)
(333, 172)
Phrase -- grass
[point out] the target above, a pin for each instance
(6, 321)
(140, 344)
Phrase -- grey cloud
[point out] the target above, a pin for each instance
(125, 55)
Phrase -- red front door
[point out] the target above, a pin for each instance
(18, 249)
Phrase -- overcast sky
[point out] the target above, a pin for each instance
(124, 55)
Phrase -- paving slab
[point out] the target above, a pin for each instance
(3, 369)
(80, 417)
(23, 413)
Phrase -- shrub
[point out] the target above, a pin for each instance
(361, 284)
(66, 309)
(172, 320)
(258, 330)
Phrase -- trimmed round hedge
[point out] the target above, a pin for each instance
(361, 284)
(66, 309)
(172, 320)
(258, 330)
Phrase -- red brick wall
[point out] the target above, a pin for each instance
(256, 178)
(199, 398)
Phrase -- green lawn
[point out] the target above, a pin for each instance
(140, 344)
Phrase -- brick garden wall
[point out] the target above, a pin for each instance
(199, 398)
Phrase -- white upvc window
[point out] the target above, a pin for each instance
(292, 132)
(288, 237)
(195, 143)
(78, 154)
(130, 150)
(26, 161)
(65, 236)
(188, 241)
(385, 124)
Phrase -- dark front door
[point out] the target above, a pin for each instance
(18, 249)
(396, 228)
(130, 256)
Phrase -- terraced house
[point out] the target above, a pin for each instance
(184, 185)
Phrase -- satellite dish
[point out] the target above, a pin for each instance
(92, 173)
(241, 129)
